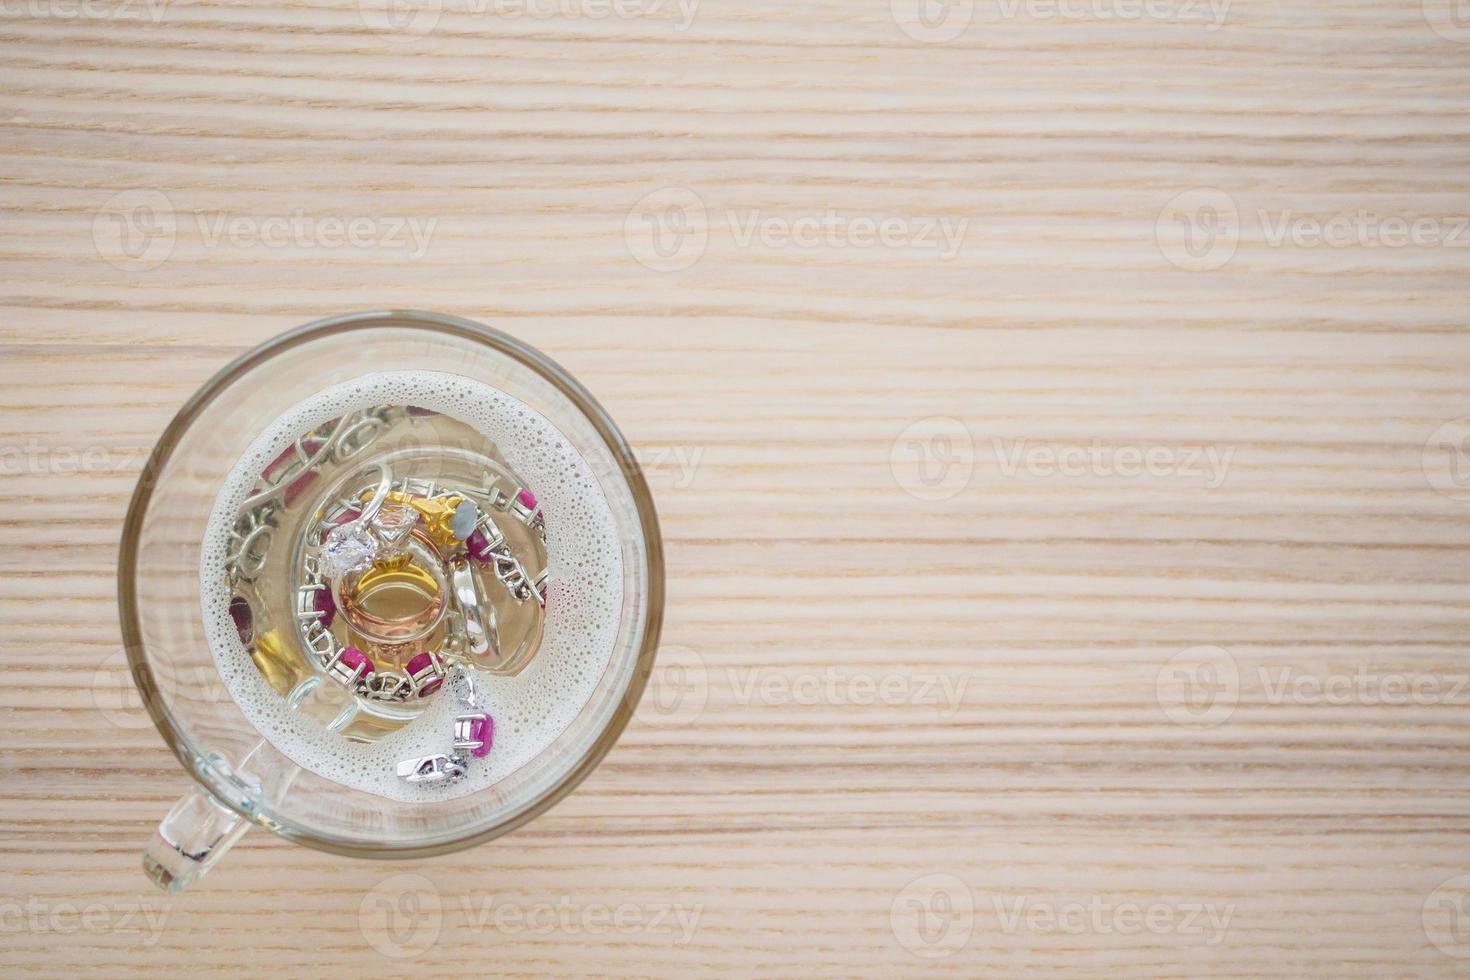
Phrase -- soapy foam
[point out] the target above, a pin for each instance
(583, 606)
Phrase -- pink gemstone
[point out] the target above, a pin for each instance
(323, 603)
(244, 618)
(354, 658)
(527, 499)
(423, 662)
(478, 546)
(482, 730)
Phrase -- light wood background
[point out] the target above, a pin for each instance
(799, 812)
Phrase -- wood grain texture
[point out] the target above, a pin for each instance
(877, 687)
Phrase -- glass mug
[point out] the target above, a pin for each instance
(243, 779)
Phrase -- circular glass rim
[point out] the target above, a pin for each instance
(529, 357)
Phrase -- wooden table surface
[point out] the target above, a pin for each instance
(1050, 404)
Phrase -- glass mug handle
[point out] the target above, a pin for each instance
(199, 829)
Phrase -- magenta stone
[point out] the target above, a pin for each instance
(354, 658)
(527, 499)
(479, 546)
(422, 662)
(482, 729)
(244, 618)
(323, 603)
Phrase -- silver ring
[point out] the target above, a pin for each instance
(478, 614)
(385, 483)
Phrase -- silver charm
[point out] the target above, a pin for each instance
(431, 769)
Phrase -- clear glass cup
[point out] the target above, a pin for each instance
(242, 778)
